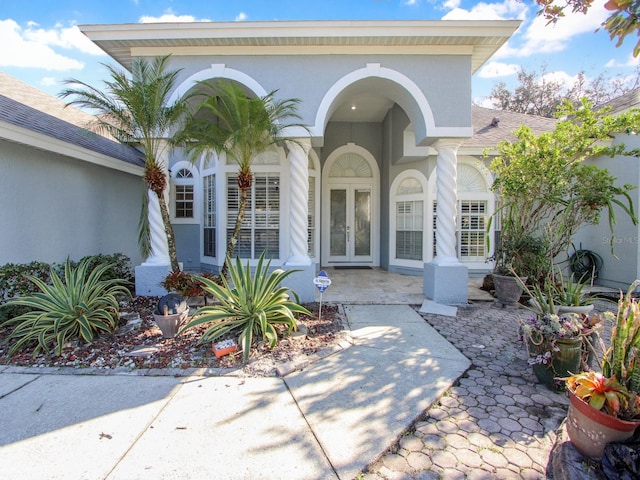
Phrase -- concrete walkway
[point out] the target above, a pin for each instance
(330, 420)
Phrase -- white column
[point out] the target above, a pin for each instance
(447, 197)
(159, 246)
(299, 202)
(158, 238)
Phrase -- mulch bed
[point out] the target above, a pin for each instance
(184, 351)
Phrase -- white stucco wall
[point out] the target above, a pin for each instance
(53, 207)
(623, 267)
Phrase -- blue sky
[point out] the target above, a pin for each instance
(42, 46)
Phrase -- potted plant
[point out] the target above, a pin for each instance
(188, 285)
(604, 406)
(571, 295)
(554, 345)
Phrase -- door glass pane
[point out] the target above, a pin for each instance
(338, 215)
(362, 219)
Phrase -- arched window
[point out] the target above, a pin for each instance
(407, 218)
(183, 205)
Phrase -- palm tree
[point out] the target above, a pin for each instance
(228, 121)
(135, 111)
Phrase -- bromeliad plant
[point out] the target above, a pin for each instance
(78, 305)
(254, 306)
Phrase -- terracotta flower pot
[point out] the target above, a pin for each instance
(590, 430)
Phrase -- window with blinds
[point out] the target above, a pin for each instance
(260, 229)
(409, 226)
(209, 221)
(471, 229)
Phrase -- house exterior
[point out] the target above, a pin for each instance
(390, 173)
(620, 267)
(64, 191)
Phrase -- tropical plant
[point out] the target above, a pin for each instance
(254, 306)
(570, 292)
(619, 381)
(136, 111)
(622, 359)
(606, 394)
(561, 192)
(542, 331)
(79, 305)
(229, 121)
(187, 284)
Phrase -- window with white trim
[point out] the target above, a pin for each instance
(408, 219)
(472, 242)
(183, 184)
(260, 229)
(209, 221)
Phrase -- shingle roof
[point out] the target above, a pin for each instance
(493, 126)
(21, 92)
(27, 107)
(624, 102)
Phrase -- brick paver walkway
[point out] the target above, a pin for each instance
(496, 422)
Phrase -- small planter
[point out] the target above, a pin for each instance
(590, 430)
(170, 324)
(507, 289)
(223, 348)
(563, 363)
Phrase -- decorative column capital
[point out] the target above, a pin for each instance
(447, 143)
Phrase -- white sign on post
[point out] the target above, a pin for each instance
(322, 282)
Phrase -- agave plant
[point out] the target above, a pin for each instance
(79, 305)
(254, 306)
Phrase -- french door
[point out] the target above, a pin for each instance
(350, 217)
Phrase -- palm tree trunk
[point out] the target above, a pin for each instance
(231, 246)
(168, 228)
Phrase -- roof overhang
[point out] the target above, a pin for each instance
(25, 136)
(478, 38)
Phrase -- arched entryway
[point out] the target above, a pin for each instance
(350, 206)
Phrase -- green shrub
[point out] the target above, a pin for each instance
(119, 266)
(254, 306)
(14, 281)
(78, 305)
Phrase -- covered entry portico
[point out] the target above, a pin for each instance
(374, 179)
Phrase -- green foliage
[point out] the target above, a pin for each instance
(227, 120)
(252, 306)
(136, 110)
(622, 359)
(78, 305)
(187, 284)
(546, 190)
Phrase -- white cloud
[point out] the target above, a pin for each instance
(169, 17)
(630, 62)
(509, 9)
(32, 48)
(59, 36)
(451, 4)
(542, 38)
(497, 69)
(411, 2)
(241, 17)
(48, 81)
